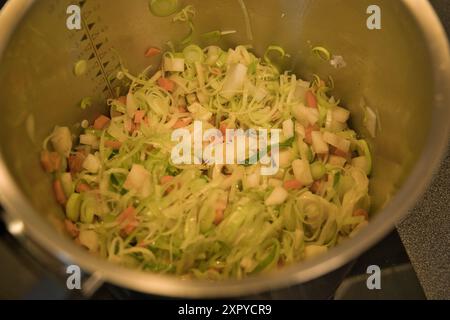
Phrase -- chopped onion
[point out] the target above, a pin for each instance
(278, 196)
(370, 122)
(92, 164)
(89, 140)
(253, 179)
(302, 171)
(336, 141)
(173, 64)
(132, 105)
(300, 130)
(234, 80)
(67, 183)
(340, 114)
(62, 140)
(288, 128)
(89, 239)
(199, 112)
(318, 143)
(302, 114)
(337, 161)
(138, 180)
(285, 158)
(362, 163)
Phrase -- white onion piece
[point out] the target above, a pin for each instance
(62, 140)
(302, 171)
(319, 145)
(234, 80)
(278, 196)
(91, 164)
(336, 141)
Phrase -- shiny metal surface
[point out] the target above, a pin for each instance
(402, 71)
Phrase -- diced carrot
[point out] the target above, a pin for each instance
(361, 213)
(311, 100)
(316, 186)
(71, 228)
(82, 187)
(182, 109)
(223, 128)
(129, 126)
(308, 133)
(113, 144)
(166, 84)
(292, 184)
(339, 152)
(212, 121)
(127, 214)
(115, 114)
(218, 218)
(165, 180)
(59, 192)
(216, 71)
(51, 161)
(76, 162)
(101, 122)
(181, 123)
(139, 116)
(152, 52)
(128, 221)
(122, 100)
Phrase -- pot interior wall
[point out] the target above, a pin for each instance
(387, 69)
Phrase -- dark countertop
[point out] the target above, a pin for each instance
(426, 230)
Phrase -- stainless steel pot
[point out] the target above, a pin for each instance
(402, 71)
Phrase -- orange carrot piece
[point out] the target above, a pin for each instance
(181, 123)
(76, 162)
(308, 133)
(128, 221)
(165, 180)
(311, 100)
(139, 116)
(316, 186)
(82, 187)
(71, 228)
(59, 192)
(182, 109)
(101, 122)
(152, 52)
(50, 161)
(122, 100)
(166, 84)
(218, 218)
(223, 128)
(361, 213)
(339, 152)
(113, 144)
(292, 185)
(127, 214)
